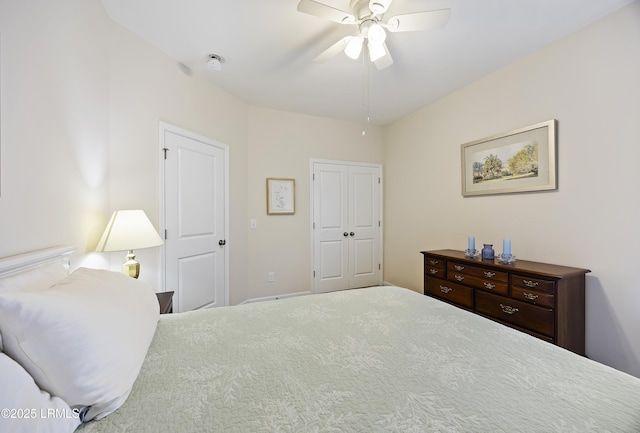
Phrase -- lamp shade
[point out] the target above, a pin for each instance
(354, 47)
(376, 34)
(129, 230)
(376, 51)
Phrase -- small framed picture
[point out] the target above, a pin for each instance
(281, 196)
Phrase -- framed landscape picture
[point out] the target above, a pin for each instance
(516, 161)
(280, 196)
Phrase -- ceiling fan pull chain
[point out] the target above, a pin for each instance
(368, 66)
(365, 92)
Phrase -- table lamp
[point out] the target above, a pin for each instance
(128, 230)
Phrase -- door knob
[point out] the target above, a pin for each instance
(222, 242)
(345, 234)
(352, 234)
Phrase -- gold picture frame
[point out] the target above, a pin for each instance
(521, 160)
(281, 196)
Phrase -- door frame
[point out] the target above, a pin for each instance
(167, 127)
(313, 161)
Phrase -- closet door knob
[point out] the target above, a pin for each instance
(345, 234)
(352, 234)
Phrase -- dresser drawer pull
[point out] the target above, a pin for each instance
(530, 296)
(458, 277)
(489, 274)
(530, 283)
(489, 286)
(508, 309)
(445, 289)
(458, 267)
(433, 271)
(434, 262)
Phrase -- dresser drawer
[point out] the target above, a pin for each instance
(537, 319)
(533, 283)
(436, 262)
(435, 267)
(451, 292)
(476, 271)
(480, 283)
(434, 271)
(533, 297)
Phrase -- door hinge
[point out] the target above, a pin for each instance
(313, 176)
(165, 150)
(379, 181)
(379, 266)
(314, 225)
(379, 224)
(165, 234)
(314, 274)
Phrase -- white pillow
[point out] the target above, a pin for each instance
(27, 409)
(83, 339)
(37, 278)
(40, 277)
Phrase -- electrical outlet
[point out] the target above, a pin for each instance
(253, 224)
(272, 277)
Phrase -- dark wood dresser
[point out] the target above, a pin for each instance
(544, 300)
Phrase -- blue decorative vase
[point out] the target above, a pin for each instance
(487, 252)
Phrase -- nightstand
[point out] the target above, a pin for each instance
(165, 299)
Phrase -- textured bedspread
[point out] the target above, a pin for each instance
(381, 359)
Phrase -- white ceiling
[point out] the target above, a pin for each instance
(268, 48)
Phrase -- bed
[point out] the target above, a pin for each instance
(379, 359)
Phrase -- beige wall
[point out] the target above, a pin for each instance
(281, 144)
(54, 94)
(589, 83)
(81, 103)
(147, 86)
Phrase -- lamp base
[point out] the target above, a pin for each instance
(131, 267)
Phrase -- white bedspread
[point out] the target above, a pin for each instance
(381, 359)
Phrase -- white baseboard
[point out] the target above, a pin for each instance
(273, 298)
(288, 295)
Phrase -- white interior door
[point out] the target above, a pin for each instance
(195, 201)
(364, 221)
(346, 226)
(331, 227)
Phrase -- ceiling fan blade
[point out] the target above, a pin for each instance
(419, 21)
(325, 11)
(333, 50)
(384, 61)
(379, 6)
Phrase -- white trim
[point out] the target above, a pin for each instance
(21, 262)
(166, 127)
(313, 161)
(273, 298)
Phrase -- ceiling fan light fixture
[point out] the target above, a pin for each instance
(376, 34)
(354, 47)
(376, 51)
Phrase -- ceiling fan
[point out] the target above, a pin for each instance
(369, 18)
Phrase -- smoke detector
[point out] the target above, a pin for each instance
(214, 62)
